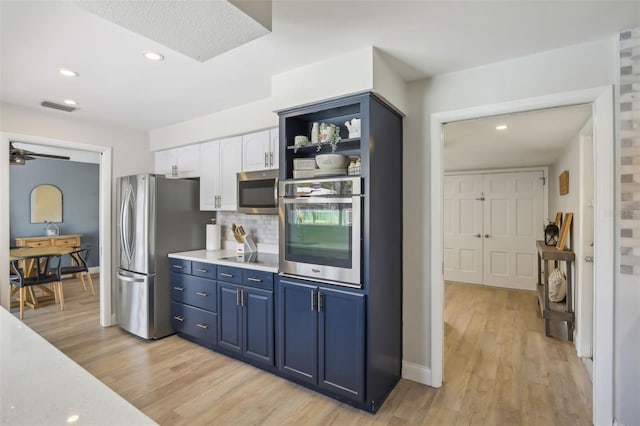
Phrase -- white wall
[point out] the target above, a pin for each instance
(572, 68)
(573, 202)
(358, 71)
(130, 152)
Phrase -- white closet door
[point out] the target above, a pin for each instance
(463, 228)
(513, 220)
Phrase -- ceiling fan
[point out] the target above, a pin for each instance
(19, 156)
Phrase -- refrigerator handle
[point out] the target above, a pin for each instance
(130, 279)
(124, 222)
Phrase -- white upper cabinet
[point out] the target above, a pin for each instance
(260, 150)
(180, 162)
(220, 161)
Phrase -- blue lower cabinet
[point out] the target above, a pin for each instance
(341, 343)
(245, 321)
(195, 322)
(257, 325)
(298, 330)
(321, 334)
(229, 322)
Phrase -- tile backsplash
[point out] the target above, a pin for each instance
(262, 228)
(629, 80)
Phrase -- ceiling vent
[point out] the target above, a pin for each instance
(65, 108)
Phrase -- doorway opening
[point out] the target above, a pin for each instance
(102, 248)
(601, 101)
(499, 190)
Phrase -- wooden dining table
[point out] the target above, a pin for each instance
(29, 256)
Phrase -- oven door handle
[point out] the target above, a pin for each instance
(320, 200)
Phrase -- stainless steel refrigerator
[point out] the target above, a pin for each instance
(156, 216)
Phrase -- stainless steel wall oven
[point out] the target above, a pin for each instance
(321, 229)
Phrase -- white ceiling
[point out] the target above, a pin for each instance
(118, 86)
(535, 138)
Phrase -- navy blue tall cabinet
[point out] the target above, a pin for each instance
(349, 347)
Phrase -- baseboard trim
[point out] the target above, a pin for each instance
(416, 372)
(94, 270)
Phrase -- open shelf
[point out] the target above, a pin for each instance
(325, 147)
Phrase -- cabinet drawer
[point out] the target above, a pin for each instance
(64, 242)
(195, 322)
(205, 270)
(230, 274)
(194, 291)
(259, 279)
(180, 265)
(38, 243)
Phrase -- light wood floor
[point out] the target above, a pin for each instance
(500, 369)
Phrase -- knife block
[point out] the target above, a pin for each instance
(248, 246)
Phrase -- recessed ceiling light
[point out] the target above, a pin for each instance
(501, 127)
(70, 102)
(67, 72)
(153, 56)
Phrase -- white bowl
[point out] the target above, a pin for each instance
(332, 161)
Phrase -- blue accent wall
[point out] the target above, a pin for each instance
(80, 186)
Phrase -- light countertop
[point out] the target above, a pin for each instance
(267, 262)
(40, 385)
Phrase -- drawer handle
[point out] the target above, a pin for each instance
(178, 266)
(202, 270)
(179, 318)
(201, 326)
(255, 280)
(179, 288)
(224, 274)
(199, 293)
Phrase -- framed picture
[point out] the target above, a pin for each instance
(564, 182)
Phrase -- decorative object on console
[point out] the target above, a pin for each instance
(565, 231)
(52, 229)
(564, 182)
(557, 286)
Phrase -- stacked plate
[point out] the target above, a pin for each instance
(304, 168)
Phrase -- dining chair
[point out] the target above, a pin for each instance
(46, 271)
(79, 265)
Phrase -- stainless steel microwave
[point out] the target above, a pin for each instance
(258, 192)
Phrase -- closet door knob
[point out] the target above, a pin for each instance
(486, 235)
(478, 236)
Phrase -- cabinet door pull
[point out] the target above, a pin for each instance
(271, 158)
(313, 301)
(178, 288)
(224, 274)
(179, 318)
(266, 160)
(319, 301)
(237, 297)
(202, 270)
(255, 280)
(241, 297)
(199, 293)
(201, 326)
(178, 266)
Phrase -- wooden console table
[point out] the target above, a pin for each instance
(50, 241)
(558, 311)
